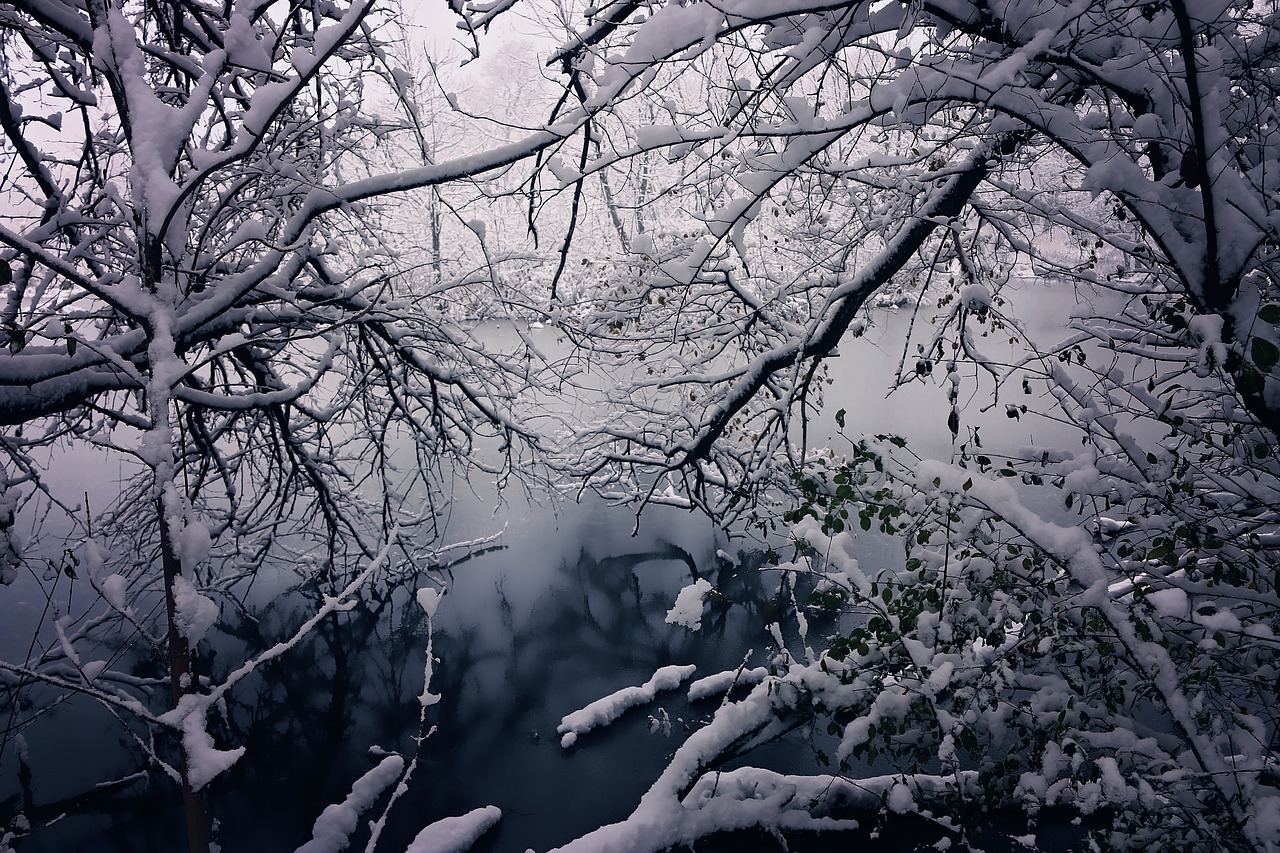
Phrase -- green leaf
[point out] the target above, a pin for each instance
(840, 418)
(1265, 354)
(1247, 382)
(1270, 314)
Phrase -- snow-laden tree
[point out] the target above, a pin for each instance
(194, 282)
(198, 302)
(1109, 646)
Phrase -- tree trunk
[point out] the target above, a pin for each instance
(181, 682)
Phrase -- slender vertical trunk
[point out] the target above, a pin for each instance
(614, 216)
(642, 193)
(434, 216)
(181, 682)
(162, 459)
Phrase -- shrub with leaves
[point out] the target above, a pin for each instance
(1127, 663)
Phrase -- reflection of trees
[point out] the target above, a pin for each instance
(302, 704)
(133, 809)
(599, 618)
(307, 719)
(315, 714)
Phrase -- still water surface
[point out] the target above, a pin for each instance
(570, 609)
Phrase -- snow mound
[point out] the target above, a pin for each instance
(604, 711)
(331, 832)
(455, 834)
(687, 610)
(194, 613)
(722, 682)
(975, 297)
(204, 760)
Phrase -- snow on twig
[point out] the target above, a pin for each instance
(722, 682)
(332, 830)
(604, 711)
(455, 834)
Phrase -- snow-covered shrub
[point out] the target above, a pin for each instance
(1123, 664)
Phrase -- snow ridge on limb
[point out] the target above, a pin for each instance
(455, 834)
(605, 710)
(660, 820)
(721, 683)
(332, 830)
(690, 801)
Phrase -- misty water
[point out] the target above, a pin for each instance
(570, 608)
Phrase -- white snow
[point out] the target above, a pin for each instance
(194, 545)
(642, 244)
(1169, 602)
(723, 682)
(900, 800)
(194, 613)
(331, 832)
(60, 627)
(687, 610)
(565, 174)
(1212, 352)
(607, 709)
(975, 297)
(455, 834)
(204, 760)
(428, 600)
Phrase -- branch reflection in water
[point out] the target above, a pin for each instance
(529, 632)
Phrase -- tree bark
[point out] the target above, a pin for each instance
(181, 683)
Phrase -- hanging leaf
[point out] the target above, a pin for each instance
(1265, 354)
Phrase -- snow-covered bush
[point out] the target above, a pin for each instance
(1124, 663)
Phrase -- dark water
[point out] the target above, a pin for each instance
(524, 636)
(570, 610)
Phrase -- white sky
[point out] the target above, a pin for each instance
(437, 27)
